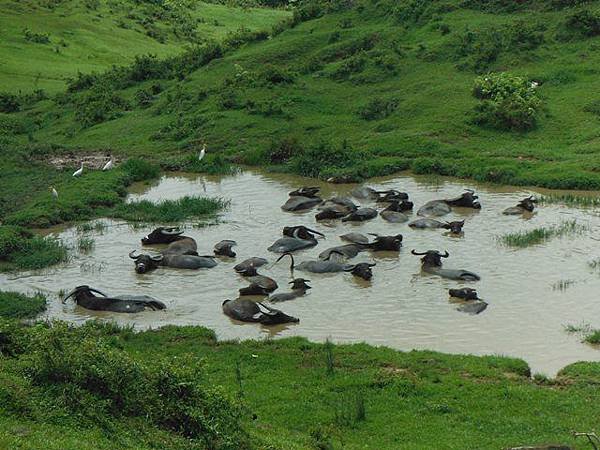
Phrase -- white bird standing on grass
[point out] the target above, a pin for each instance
(54, 192)
(79, 171)
(202, 152)
(109, 165)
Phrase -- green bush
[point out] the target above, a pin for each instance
(19, 306)
(38, 38)
(378, 108)
(98, 105)
(140, 170)
(318, 159)
(508, 102)
(593, 107)
(479, 48)
(584, 22)
(283, 149)
(20, 249)
(9, 103)
(525, 35)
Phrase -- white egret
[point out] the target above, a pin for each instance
(79, 171)
(54, 192)
(109, 165)
(202, 152)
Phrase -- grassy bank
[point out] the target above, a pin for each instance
(278, 394)
(364, 90)
(42, 43)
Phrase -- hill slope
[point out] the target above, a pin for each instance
(44, 42)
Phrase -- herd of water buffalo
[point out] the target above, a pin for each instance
(181, 252)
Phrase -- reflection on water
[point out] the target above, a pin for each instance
(400, 307)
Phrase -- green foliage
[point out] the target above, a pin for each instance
(584, 22)
(284, 149)
(316, 160)
(37, 38)
(9, 103)
(19, 306)
(508, 102)
(378, 108)
(168, 211)
(21, 250)
(539, 235)
(98, 105)
(478, 49)
(593, 107)
(138, 169)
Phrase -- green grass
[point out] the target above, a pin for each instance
(522, 239)
(168, 211)
(291, 86)
(85, 244)
(91, 39)
(579, 201)
(22, 250)
(18, 306)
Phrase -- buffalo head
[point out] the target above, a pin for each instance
(144, 263)
(300, 283)
(386, 243)
(432, 258)
(454, 227)
(82, 292)
(362, 270)
(528, 204)
(301, 232)
(306, 191)
(162, 235)
(272, 316)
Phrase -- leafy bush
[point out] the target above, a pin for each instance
(508, 102)
(349, 66)
(19, 249)
(38, 38)
(479, 48)
(20, 306)
(525, 35)
(82, 371)
(497, 6)
(276, 75)
(318, 159)
(593, 107)
(284, 149)
(584, 22)
(9, 103)
(140, 170)
(378, 108)
(419, 11)
(98, 105)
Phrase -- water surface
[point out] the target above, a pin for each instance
(401, 307)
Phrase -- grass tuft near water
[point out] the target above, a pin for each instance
(168, 211)
(522, 239)
(22, 250)
(19, 306)
(580, 201)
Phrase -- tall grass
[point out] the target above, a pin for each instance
(20, 306)
(22, 250)
(570, 200)
(168, 211)
(329, 360)
(85, 244)
(522, 239)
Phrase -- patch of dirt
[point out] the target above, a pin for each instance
(95, 160)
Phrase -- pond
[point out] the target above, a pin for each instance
(532, 292)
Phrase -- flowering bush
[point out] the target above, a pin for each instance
(508, 102)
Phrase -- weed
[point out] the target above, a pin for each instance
(537, 236)
(329, 359)
(168, 211)
(85, 244)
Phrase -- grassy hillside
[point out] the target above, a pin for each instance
(97, 386)
(42, 42)
(395, 81)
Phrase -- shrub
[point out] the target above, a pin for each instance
(496, 6)
(584, 22)
(140, 169)
(508, 102)
(19, 306)
(98, 105)
(284, 149)
(318, 159)
(20, 249)
(349, 66)
(479, 48)
(276, 75)
(9, 103)
(526, 35)
(593, 107)
(378, 108)
(38, 38)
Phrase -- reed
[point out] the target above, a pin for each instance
(522, 239)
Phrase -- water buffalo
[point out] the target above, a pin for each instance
(85, 297)
(385, 243)
(260, 284)
(467, 199)
(249, 311)
(302, 232)
(395, 211)
(454, 227)
(470, 303)
(364, 193)
(525, 205)
(362, 270)
(347, 250)
(299, 288)
(335, 208)
(250, 262)
(144, 263)
(223, 248)
(360, 215)
(432, 263)
(163, 235)
(291, 244)
(355, 238)
(390, 196)
(306, 191)
(434, 208)
(300, 203)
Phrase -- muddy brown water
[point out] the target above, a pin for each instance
(401, 307)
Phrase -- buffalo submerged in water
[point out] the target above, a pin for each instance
(145, 263)
(246, 310)
(361, 270)
(295, 238)
(85, 296)
(432, 263)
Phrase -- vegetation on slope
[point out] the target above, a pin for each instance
(364, 89)
(42, 43)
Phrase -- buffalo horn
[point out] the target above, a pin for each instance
(131, 255)
(417, 253)
(171, 231)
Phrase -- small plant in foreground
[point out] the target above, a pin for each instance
(85, 244)
(539, 235)
(329, 360)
